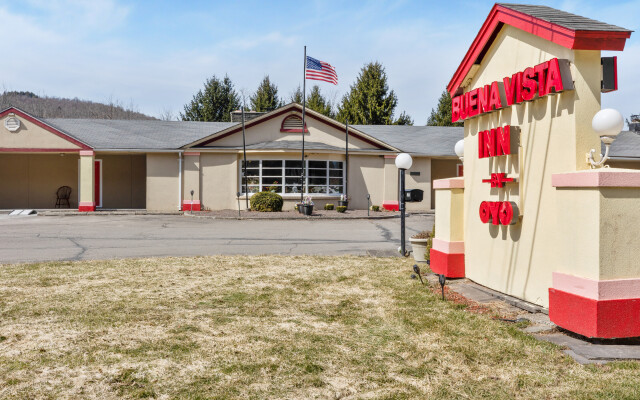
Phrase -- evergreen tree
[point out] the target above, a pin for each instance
(266, 97)
(404, 119)
(317, 102)
(442, 115)
(369, 101)
(215, 103)
(296, 96)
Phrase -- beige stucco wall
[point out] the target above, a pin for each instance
(192, 177)
(365, 176)
(555, 136)
(31, 180)
(441, 169)
(602, 228)
(219, 180)
(162, 181)
(449, 223)
(423, 166)
(31, 136)
(123, 180)
(269, 131)
(86, 174)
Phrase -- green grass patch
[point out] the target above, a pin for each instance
(294, 327)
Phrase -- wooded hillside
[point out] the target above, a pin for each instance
(55, 107)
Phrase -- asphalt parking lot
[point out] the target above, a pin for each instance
(87, 237)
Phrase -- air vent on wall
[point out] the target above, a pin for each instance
(292, 123)
(12, 123)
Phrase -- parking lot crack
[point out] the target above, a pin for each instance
(81, 247)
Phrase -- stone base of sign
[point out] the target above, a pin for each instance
(449, 265)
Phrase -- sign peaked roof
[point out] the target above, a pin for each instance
(563, 28)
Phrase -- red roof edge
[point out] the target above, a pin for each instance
(499, 15)
(44, 126)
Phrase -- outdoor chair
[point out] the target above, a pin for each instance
(62, 196)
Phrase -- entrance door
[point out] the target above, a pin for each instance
(98, 183)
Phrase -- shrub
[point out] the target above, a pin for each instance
(422, 235)
(266, 202)
(341, 209)
(328, 206)
(375, 208)
(427, 256)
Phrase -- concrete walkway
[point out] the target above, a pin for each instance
(581, 349)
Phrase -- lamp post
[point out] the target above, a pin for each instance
(403, 163)
(608, 123)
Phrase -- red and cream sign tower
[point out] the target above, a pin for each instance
(531, 217)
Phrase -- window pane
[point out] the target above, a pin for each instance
(317, 189)
(335, 181)
(317, 172)
(252, 189)
(335, 164)
(268, 181)
(292, 181)
(252, 163)
(293, 164)
(251, 172)
(335, 189)
(292, 189)
(271, 163)
(293, 172)
(251, 180)
(335, 172)
(317, 164)
(272, 188)
(317, 181)
(272, 172)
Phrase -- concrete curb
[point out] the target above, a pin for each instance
(103, 213)
(285, 218)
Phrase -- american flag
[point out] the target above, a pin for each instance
(320, 71)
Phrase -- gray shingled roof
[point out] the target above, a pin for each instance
(626, 145)
(435, 141)
(289, 145)
(135, 134)
(563, 18)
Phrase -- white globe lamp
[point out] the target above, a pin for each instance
(459, 149)
(607, 123)
(404, 161)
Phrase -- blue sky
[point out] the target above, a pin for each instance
(157, 54)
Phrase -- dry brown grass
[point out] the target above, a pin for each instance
(267, 327)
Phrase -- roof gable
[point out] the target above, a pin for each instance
(563, 28)
(283, 111)
(38, 135)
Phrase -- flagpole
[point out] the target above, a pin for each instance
(244, 163)
(304, 96)
(346, 176)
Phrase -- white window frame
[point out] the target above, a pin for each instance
(283, 178)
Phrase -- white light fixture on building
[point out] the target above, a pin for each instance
(459, 149)
(403, 162)
(608, 123)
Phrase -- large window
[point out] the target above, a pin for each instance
(284, 176)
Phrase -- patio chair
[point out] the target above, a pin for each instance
(62, 196)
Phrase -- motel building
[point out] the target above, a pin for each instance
(155, 165)
(538, 215)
